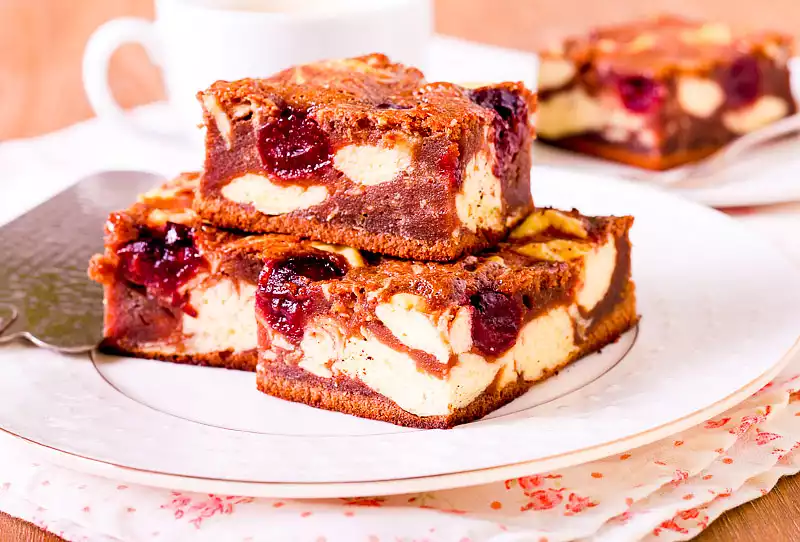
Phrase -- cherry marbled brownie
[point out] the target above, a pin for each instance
(433, 345)
(175, 289)
(364, 152)
(662, 92)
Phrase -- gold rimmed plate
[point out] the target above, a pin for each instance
(720, 312)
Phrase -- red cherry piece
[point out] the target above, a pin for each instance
(510, 123)
(743, 82)
(293, 146)
(496, 320)
(282, 299)
(639, 94)
(162, 261)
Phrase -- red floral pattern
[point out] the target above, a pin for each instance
(543, 499)
(679, 477)
(683, 521)
(183, 505)
(751, 420)
(716, 424)
(763, 437)
(530, 482)
(577, 504)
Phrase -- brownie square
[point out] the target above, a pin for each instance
(364, 152)
(174, 288)
(415, 343)
(434, 345)
(662, 92)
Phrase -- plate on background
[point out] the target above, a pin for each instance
(767, 175)
(720, 314)
(762, 176)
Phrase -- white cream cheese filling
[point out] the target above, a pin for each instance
(764, 111)
(371, 165)
(573, 112)
(271, 198)
(405, 316)
(225, 321)
(598, 271)
(569, 113)
(554, 73)
(479, 204)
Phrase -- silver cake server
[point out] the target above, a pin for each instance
(46, 296)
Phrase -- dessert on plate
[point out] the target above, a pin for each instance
(175, 289)
(424, 344)
(365, 152)
(284, 256)
(434, 345)
(662, 92)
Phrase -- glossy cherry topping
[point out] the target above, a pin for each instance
(162, 261)
(743, 82)
(496, 319)
(639, 94)
(281, 297)
(510, 125)
(293, 146)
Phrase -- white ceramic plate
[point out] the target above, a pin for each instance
(721, 310)
(760, 177)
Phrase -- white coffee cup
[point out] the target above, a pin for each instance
(197, 42)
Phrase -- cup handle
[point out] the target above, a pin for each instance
(97, 55)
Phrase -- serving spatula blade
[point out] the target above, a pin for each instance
(46, 296)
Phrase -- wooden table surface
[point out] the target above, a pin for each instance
(41, 43)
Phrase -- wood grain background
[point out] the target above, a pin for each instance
(42, 41)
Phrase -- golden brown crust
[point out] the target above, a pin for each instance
(343, 394)
(370, 77)
(227, 214)
(227, 359)
(446, 283)
(358, 88)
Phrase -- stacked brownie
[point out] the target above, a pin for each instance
(662, 92)
(367, 243)
(364, 152)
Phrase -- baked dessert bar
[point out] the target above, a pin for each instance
(433, 345)
(413, 343)
(366, 153)
(662, 92)
(175, 289)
